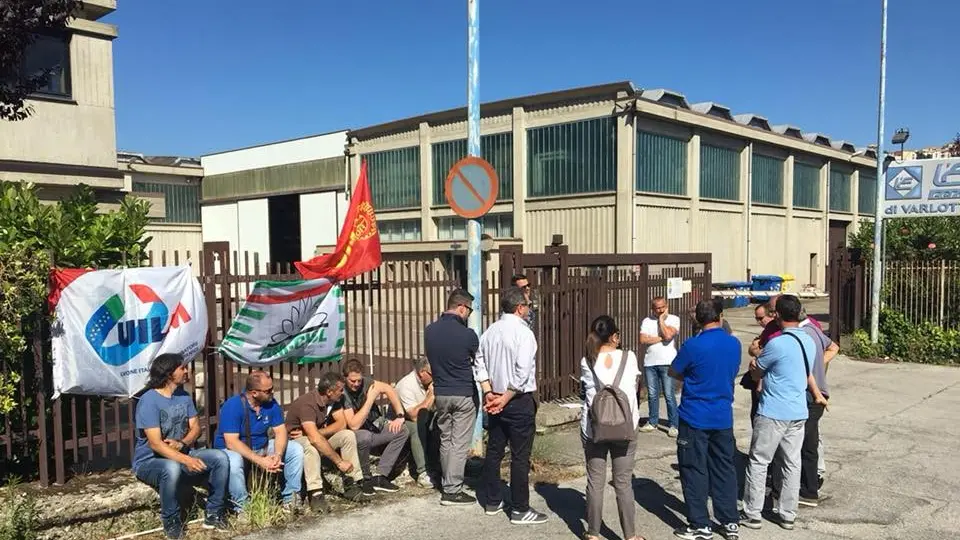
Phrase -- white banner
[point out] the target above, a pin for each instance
(922, 187)
(110, 324)
(301, 321)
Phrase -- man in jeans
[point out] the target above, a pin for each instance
(451, 348)
(659, 332)
(167, 428)
(708, 365)
(784, 367)
(311, 423)
(372, 429)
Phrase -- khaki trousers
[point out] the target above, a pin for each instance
(344, 442)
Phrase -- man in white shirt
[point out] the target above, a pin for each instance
(506, 369)
(416, 395)
(659, 333)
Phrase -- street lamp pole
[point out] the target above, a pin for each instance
(878, 218)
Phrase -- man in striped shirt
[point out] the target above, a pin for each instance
(506, 370)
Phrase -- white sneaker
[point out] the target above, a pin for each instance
(647, 428)
(424, 481)
(672, 433)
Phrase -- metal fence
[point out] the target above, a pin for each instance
(386, 312)
(923, 291)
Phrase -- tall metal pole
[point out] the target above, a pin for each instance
(473, 149)
(877, 281)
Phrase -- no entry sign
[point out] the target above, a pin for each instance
(472, 187)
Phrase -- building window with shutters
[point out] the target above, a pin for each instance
(719, 173)
(767, 181)
(394, 177)
(839, 191)
(661, 164)
(572, 158)
(806, 186)
(496, 149)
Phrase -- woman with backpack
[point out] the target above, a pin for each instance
(608, 425)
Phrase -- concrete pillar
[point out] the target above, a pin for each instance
(626, 186)
(789, 257)
(519, 173)
(746, 195)
(428, 229)
(854, 201)
(693, 190)
(825, 229)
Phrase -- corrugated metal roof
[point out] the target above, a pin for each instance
(166, 161)
(753, 120)
(817, 138)
(788, 130)
(666, 96)
(712, 109)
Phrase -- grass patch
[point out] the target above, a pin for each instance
(263, 509)
(19, 515)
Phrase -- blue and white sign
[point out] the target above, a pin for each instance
(922, 187)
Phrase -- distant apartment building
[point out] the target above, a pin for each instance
(70, 137)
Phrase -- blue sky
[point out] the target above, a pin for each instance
(194, 77)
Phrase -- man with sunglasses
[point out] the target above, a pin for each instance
(451, 348)
(242, 432)
(523, 283)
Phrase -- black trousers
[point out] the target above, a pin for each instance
(516, 425)
(809, 455)
(705, 457)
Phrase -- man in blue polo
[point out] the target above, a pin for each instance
(708, 365)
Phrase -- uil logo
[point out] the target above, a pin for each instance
(133, 336)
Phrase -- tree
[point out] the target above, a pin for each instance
(954, 147)
(20, 22)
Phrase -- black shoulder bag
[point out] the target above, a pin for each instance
(806, 359)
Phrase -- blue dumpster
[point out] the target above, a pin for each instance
(741, 286)
(766, 283)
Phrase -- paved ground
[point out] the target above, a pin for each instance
(891, 440)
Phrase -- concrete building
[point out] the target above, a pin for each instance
(172, 186)
(276, 202)
(71, 136)
(617, 169)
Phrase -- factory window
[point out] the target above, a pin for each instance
(577, 157)
(394, 177)
(181, 202)
(455, 228)
(661, 164)
(497, 149)
(767, 187)
(839, 191)
(867, 194)
(401, 230)
(806, 186)
(719, 173)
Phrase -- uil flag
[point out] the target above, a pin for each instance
(110, 324)
(358, 246)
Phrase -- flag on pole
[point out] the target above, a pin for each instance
(358, 246)
(301, 321)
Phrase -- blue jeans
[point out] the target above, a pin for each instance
(292, 474)
(657, 381)
(705, 457)
(167, 477)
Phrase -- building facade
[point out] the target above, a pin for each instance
(70, 137)
(615, 169)
(276, 202)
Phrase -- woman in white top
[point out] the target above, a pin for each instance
(601, 350)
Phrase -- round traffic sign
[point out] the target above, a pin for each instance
(472, 187)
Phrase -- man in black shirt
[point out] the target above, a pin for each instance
(451, 348)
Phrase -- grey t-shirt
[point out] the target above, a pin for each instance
(819, 367)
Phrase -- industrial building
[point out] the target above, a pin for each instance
(617, 169)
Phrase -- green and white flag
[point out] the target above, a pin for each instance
(301, 321)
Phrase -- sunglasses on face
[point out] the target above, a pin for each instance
(267, 391)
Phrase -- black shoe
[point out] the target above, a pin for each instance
(367, 487)
(493, 509)
(353, 492)
(785, 524)
(319, 504)
(530, 517)
(810, 502)
(819, 481)
(380, 483)
(216, 523)
(457, 499)
(755, 524)
(730, 531)
(690, 533)
(174, 529)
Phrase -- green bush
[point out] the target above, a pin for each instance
(901, 340)
(18, 514)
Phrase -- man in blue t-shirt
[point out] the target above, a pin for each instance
(242, 433)
(167, 428)
(708, 365)
(785, 367)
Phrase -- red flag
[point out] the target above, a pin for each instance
(358, 246)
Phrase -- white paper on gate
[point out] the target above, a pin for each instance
(674, 288)
(111, 324)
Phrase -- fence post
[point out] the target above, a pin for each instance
(943, 288)
(43, 454)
